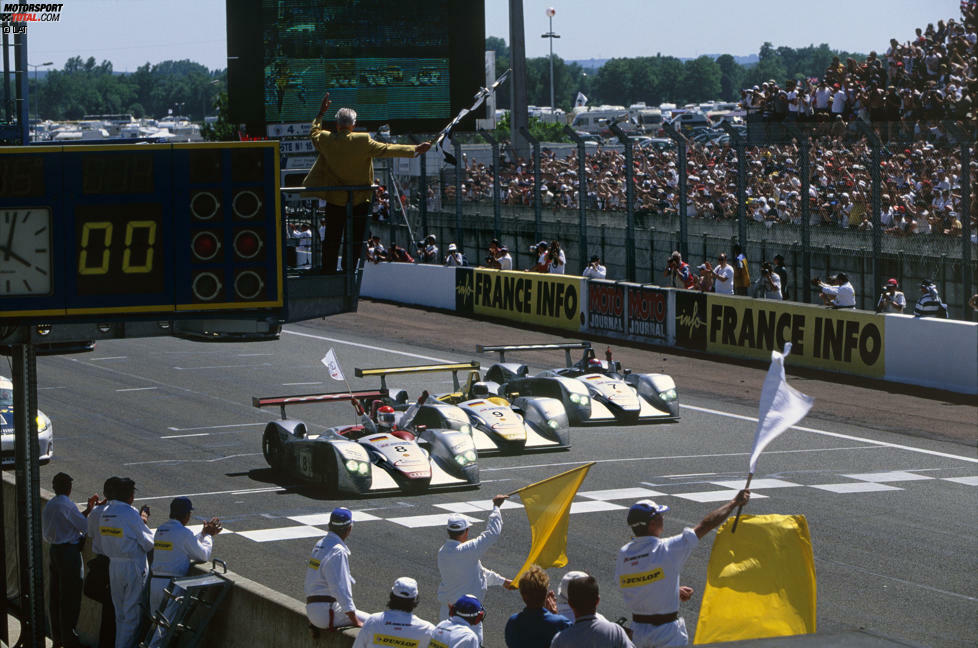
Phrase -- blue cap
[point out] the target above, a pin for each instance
(180, 507)
(341, 517)
(644, 510)
(468, 606)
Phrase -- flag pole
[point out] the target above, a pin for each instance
(741, 507)
(557, 476)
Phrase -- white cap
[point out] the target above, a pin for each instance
(452, 247)
(405, 588)
(457, 523)
(565, 581)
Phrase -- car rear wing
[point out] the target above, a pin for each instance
(566, 346)
(383, 372)
(305, 399)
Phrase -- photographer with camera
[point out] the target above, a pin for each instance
(678, 272)
(769, 284)
(837, 294)
(595, 270)
(428, 250)
(556, 258)
(891, 299)
(543, 257)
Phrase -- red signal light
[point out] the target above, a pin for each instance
(247, 244)
(205, 245)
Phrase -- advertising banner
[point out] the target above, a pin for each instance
(605, 307)
(464, 287)
(647, 312)
(554, 301)
(837, 340)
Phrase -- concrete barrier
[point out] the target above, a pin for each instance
(932, 353)
(409, 283)
(251, 614)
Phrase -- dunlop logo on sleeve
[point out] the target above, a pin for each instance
(110, 531)
(313, 563)
(436, 644)
(399, 642)
(642, 578)
(164, 546)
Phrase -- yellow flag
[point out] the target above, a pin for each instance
(547, 505)
(760, 581)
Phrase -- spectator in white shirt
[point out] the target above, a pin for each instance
(595, 270)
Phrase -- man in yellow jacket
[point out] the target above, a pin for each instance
(346, 158)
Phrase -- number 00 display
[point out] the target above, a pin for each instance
(117, 248)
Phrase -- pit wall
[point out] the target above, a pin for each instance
(251, 614)
(938, 354)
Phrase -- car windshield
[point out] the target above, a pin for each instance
(6, 397)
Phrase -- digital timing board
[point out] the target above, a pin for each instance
(116, 231)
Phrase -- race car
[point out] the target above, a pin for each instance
(593, 391)
(45, 433)
(373, 456)
(497, 425)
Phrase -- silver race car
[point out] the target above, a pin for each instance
(378, 454)
(45, 434)
(497, 425)
(593, 391)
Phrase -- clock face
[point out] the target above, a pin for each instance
(25, 252)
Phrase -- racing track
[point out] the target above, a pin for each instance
(888, 481)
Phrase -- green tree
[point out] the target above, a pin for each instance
(731, 75)
(222, 130)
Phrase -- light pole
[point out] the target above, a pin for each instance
(551, 12)
(37, 113)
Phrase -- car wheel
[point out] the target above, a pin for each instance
(271, 447)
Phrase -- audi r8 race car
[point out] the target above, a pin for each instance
(45, 434)
(527, 423)
(371, 456)
(593, 391)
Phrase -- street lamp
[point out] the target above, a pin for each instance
(551, 12)
(37, 113)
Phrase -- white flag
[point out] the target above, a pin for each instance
(781, 406)
(333, 365)
(581, 100)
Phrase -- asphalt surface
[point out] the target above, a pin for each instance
(872, 469)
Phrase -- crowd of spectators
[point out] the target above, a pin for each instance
(932, 77)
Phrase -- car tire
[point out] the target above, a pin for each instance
(272, 448)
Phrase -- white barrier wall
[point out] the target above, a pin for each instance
(941, 354)
(409, 283)
(931, 352)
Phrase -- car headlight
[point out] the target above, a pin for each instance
(668, 395)
(364, 468)
(470, 455)
(352, 466)
(574, 398)
(584, 400)
(465, 458)
(461, 459)
(465, 429)
(42, 424)
(553, 424)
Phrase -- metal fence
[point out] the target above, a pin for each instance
(607, 201)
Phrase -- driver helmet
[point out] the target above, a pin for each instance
(480, 389)
(385, 416)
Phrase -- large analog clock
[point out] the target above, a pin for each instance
(25, 252)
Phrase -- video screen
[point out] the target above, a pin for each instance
(411, 64)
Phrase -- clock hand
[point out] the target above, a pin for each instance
(10, 253)
(10, 239)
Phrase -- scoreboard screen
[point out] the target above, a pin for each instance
(412, 64)
(139, 230)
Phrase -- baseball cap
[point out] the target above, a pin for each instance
(340, 517)
(565, 582)
(892, 282)
(457, 522)
(644, 510)
(180, 506)
(452, 247)
(406, 588)
(595, 257)
(468, 606)
(926, 283)
(778, 257)
(61, 480)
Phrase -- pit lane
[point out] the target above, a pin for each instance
(888, 481)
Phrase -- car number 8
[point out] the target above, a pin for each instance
(400, 448)
(498, 413)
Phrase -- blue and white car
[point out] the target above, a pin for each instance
(45, 434)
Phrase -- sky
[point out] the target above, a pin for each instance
(130, 33)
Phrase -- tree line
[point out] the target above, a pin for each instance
(86, 88)
(659, 79)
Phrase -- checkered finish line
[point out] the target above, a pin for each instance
(314, 526)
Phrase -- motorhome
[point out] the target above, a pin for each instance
(596, 119)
